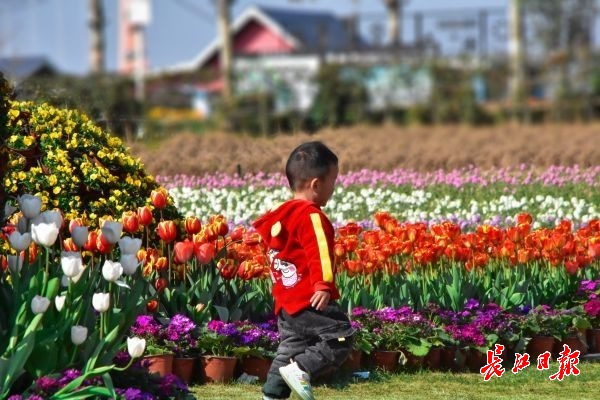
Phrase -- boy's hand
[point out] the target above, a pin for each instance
(320, 299)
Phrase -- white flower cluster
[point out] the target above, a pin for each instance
(241, 206)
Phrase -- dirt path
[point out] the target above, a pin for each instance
(381, 148)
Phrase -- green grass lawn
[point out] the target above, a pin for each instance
(527, 384)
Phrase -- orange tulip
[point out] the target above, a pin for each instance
(158, 198)
(227, 268)
(75, 222)
(192, 225)
(144, 215)
(167, 231)
(237, 233)
(130, 222)
(161, 264)
(69, 245)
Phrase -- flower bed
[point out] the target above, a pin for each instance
(468, 197)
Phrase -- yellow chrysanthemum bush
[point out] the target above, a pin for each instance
(72, 164)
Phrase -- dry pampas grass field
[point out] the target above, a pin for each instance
(385, 147)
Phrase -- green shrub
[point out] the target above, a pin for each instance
(72, 164)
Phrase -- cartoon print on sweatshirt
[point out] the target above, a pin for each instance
(289, 274)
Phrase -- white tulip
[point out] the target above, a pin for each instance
(30, 205)
(59, 302)
(101, 301)
(129, 245)
(78, 334)
(112, 231)
(39, 304)
(80, 235)
(112, 270)
(18, 241)
(44, 234)
(53, 217)
(136, 346)
(71, 263)
(129, 263)
(15, 264)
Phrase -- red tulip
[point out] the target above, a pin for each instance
(204, 252)
(183, 251)
(90, 245)
(160, 284)
(102, 244)
(152, 306)
(192, 225)
(144, 215)
(167, 230)
(130, 222)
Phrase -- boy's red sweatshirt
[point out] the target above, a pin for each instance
(300, 240)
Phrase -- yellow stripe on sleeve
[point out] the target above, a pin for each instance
(323, 247)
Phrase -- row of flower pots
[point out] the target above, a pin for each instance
(207, 369)
(213, 369)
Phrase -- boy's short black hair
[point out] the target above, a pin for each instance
(307, 161)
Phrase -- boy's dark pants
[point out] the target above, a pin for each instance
(312, 339)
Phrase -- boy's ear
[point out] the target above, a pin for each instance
(314, 183)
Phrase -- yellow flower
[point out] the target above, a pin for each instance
(56, 190)
(27, 141)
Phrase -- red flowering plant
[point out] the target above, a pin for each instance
(592, 310)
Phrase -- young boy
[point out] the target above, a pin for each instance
(315, 334)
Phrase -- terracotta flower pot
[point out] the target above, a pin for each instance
(452, 359)
(593, 338)
(353, 361)
(183, 367)
(161, 364)
(539, 345)
(386, 360)
(433, 359)
(412, 362)
(573, 342)
(256, 366)
(475, 360)
(216, 369)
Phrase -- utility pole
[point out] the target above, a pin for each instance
(516, 52)
(394, 11)
(226, 59)
(139, 17)
(97, 23)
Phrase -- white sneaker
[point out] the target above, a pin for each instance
(297, 380)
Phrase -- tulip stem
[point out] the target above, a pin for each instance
(101, 325)
(169, 254)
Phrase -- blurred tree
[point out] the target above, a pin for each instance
(516, 88)
(97, 23)
(564, 29)
(226, 47)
